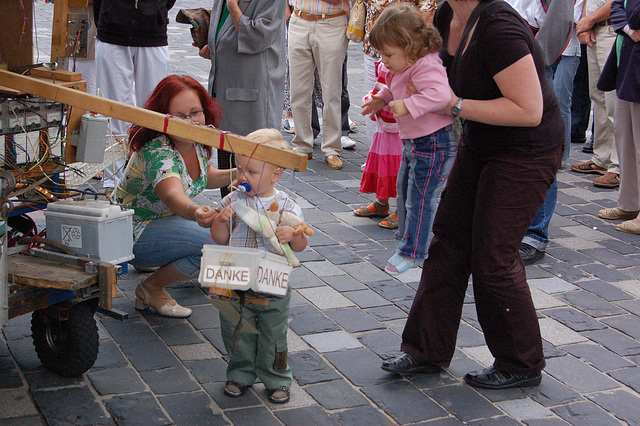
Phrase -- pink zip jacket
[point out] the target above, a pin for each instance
(429, 77)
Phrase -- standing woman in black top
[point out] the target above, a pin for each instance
(510, 151)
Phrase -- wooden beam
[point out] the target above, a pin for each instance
(172, 126)
(59, 31)
(16, 39)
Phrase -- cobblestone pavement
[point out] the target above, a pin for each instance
(347, 316)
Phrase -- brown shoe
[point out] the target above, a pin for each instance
(310, 156)
(334, 162)
(616, 213)
(588, 167)
(609, 180)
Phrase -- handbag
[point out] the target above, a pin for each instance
(199, 21)
(355, 28)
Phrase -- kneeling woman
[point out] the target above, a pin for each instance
(162, 177)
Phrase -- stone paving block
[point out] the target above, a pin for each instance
(615, 341)
(366, 299)
(216, 392)
(383, 343)
(303, 278)
(325, 297)
(365, 272)
(169, 381)
(413, 275)
(305, 416)
(308, 367)
(480, 354)
(16, 403)
(551, 351)
(332, 341)
(323, 269)
(299, 397)
(524, 409)
(578, 376)
(469, 336)
(392, 290)
(590, 304)
(586, 233)
(4, 349)
(248, 416)
(429, 381)
(620, 247)
(321, 239)
(74, 405)
(316, 216)
(109, 356)
(470, 316)
(178, 334)
(22, 421)
(309, 255)
(366, 371)
(191, 409)
(606, 291)
(139, 355)
(495, 421)
(43, 378)
(610, 257)
(196, 352)
(338, 255)
(575, 243)
(18, 328)
(628, 324)
(534, 271)
(353, 320)
(565, 271)
(463, 402)
(366, 246)
(361, 416)
(130, 331)
(295, 343)
(542, 300)
(307, 319)
(336, 395)
(215, 338)
(632, 306)
(208, 370)
(628, 376)
(344, 283)
(619, 403)
(446, 421)
(9, 375)
(399, 399)
(132, 408)
(461, 364)
(631, 286)
(397, 326)
(188, 294)
(585, 413)
(564, 254)
(386, 313)
(557, 334)
(495, 395)
(605, 273)
(552, 285)
(204, 317)
(116, 380)
(372, 230)
(597, 356)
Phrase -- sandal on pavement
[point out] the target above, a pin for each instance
(616, 213)
(588, 167)
(630, 226)
(399, 264)
(288, 125)
(166, 310)
(235, 389)
(390, 222)
(609, 180)
(279, 395)
(374, 209)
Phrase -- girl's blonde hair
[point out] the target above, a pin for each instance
(270, 137)
(402, 25)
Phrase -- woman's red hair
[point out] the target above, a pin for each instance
(159, 100)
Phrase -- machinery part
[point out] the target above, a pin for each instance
(68, 348)
(18, 227)
(54, 245)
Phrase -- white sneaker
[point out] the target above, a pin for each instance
(347, 142)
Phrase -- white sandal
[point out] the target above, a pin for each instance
(166, 310)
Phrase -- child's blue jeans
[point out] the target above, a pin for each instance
(426, 163)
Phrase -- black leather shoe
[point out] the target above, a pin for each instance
(490, 378)
(530, 254)
(406, 364)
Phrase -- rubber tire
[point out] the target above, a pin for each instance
(68, 348)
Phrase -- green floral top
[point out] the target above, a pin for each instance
(155, 162)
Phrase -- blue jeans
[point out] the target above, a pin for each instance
(171, 240)
(560, 75)
(426, 163)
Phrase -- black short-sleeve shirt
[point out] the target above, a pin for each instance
(500, 39)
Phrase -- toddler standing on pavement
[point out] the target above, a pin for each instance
(416, 88)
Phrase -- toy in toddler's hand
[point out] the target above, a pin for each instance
(266, 227)
(284, 217)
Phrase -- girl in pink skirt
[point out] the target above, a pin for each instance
(383, 161)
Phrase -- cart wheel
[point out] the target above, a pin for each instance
(68, 348)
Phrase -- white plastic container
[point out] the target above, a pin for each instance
(93, 228)
(239, 268)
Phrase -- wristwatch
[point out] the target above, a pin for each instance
(455, 110)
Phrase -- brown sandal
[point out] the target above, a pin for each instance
(374, 209)
(588, 167)
(391, 222)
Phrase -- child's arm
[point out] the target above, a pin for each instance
(296, 242)
(433, 92)
(220, 229)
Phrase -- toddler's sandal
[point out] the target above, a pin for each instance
(235, 389)
(398, 264)
(374, 209)
(390, 222)
(279, 395)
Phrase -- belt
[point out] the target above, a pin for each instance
(602, 23)
(310, 17)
